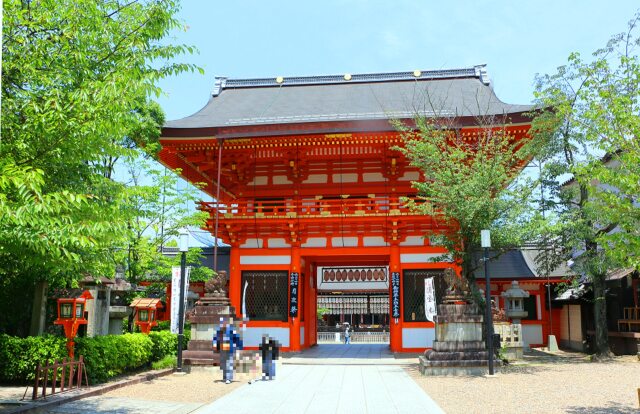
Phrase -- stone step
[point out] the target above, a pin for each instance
(199, 354)
(457, 346)
(432, 355)
(457, 363)
(464, 318)
(200, 345)
(200, 362)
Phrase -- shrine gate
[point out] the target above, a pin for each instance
(311, 191)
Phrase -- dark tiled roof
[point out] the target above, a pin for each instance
(400, 95)
(509, 265)
(517, 264)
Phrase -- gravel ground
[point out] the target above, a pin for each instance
(199, 386)
(565, 385)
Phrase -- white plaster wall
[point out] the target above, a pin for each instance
(279, 242)
(369, 241)
(531, 334)
(252, 243)
(418, 337)
(372, 177)
(410, 176)
(252, 336)
(302, 335)
(259, 260)
(315, 242)
(413, 241)
(260, 180)
(348, 241)
(417, 257)
(316, 179)
(281, 179)
(345, 178)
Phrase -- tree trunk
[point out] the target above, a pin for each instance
(600, 316)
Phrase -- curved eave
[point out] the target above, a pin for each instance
(328, 127)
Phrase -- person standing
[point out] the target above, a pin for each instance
(226, 341)
(270, 353)
(347, 335)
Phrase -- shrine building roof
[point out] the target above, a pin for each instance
(465, 92)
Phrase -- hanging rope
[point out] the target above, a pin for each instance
(298, 197)
(255, 201)
(387, 195)
(341, 198)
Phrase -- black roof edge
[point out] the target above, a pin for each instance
(477, 71)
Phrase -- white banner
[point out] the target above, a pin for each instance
(429, 299)
(175, 295)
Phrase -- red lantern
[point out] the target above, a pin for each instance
(71, 316)
(144, 310)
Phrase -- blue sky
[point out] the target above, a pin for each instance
(516, 39)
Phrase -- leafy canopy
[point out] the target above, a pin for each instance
(469, 184)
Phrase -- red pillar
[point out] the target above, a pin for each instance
(309, 307)
(395, 330)
(294, 323)
(235, 279)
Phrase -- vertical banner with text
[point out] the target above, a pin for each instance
(395, 295)
(175, 295)
(293, 295)
(429, 299)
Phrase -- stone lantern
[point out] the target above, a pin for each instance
(514, 302)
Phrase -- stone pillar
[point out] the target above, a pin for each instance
(39, 309)
(98, 310)
(294, 323)
(395, 330)
(235, 280)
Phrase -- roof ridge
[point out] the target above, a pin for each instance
(477, 71)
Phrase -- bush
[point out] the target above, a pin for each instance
(112, 355)
(105, 357)
(20, 356)
(162, 326)
(164, 343)
(169, 361)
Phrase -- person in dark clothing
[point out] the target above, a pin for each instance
(270, 350)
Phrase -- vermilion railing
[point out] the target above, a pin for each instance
(374, 206)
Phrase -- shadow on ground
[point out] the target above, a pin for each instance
(611, 408)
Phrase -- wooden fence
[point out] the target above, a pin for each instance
(70, 377)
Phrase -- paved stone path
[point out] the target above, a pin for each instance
(356, 378)
(329, 389)
(340, 354)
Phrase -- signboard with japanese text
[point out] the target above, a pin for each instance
(395, 294)
(175, 295)
(293, 294)
(429, 299)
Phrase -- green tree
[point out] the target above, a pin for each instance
(77, 81)
(592, 111)
(156, 209)
(470, 184)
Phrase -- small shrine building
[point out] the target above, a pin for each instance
(310, 194)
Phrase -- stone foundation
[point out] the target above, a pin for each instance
(204, 319)
(459, 348)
